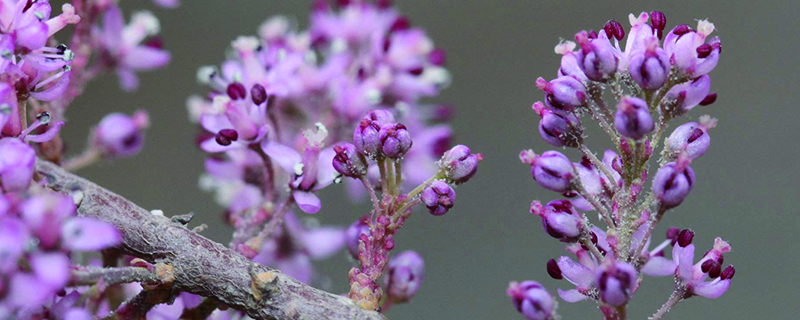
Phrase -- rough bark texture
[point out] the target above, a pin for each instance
(200, 265)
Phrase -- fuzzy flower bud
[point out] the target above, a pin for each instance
(405, 274)
(616, 282)
(366, 139)
(559, 219)
(633, 118)
(596, 58)
(565, 93)
(460, 164)
(691, 138)
(531, 299)
(438, 197)
(650, 67)
(395, 140)
(559, 130)
(348, 161)
(120, 135)
(353, 234)
(673, 182)
(552, 170)
(16, 165)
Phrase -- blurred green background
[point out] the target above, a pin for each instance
(747, 185)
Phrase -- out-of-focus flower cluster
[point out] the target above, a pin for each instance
(281, 102)
(653, 82)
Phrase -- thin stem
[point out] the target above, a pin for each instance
(138, 306)
(390, 177)
(599, 164)
(587, 242)
(371, 191)
(413, 193)
(111, 276)
(398, 174)
(269, 184)
(650, 229)
(23, 113)
(277, 219)
(89, 157)
(382, 169)
(604, 124)
(622, 312)
(676, 296)
(405, 207)
(596, 204)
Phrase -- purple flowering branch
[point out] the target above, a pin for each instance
(199, 265)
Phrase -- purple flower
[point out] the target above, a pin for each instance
(395, 140)
(616, 282)
(16, 164)
(563, 94)
(404, 275)
(552, 170)
(559, 130)
(366, 139)
(438, 197)
(687, 95)
(569, 61)
(597, 56)
(650, 67)
(559, 219)
(122, 48)
(348, 161)
(460, 164)
(633, 118)
(691, 138)
(119, 135)
(688, 50)
(673, 182)
(353, 235)
(692, 276)
(531, 299)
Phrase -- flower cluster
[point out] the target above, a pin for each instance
(653, 81)
(279, 107)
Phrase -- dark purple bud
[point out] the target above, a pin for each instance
(728, 273)
(616, 281)
(673, 182)
(366, 139)
(437, 57)
(237, 91)
(416, 71)
(258, 94)
(531, 299)
(353, 235)
(383, 4)
(658, 20)
(402, 23)
(553, 170)
(559, 219)
(650, 68)
(681, 29)
(715, 269)
(459, 164)
(614, 29)
(395, 140)
(633, 118)
(709, 99)
(685, 237)
(226, 136)
(559, 130)
(704, 50)
(672, 234)
(691, 138)
(564, 93)
(155, 43)
(596, 57)
(438, 197)
(348, 161)
(404, 275)
(553, 270)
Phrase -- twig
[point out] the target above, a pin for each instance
(676, 296)
(111, 276)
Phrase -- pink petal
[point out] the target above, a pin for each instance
(113, 24)
(712, 289)
(249, 196)
(47, 135)
(286, 157)
(55, 90)
(78, 314)
(128, 81)
(297, 266)
(323, 242)
(224, 169)
(84, 234)
(575, 272)
(325, 171)
(684, 258)
(571, 296)
(215, 122)
(659, 267)
(13, 237)
(26, 290)
(146, 58)
(212, 146)
(307, 201)
(52, 268)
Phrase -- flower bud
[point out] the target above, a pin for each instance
(17, 162)
(552, 170)
(691, 138)
(650, 68)
(366, 139)
(459, 164)
(258, 94)
(531, 299)
(120, 135)
(559, 219)
(405, 274)
(438, 197)
(353, 234)
(685, 237)
(659, 22)
(673, 182)
(380, 116)
(395, 140)
(348, 161)
(616, 281)
(687, 95)
(633, 118)
(564, 94)
(596, 58)
(559, 130)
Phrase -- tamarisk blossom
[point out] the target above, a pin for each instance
(122, 47)
(653, 83)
